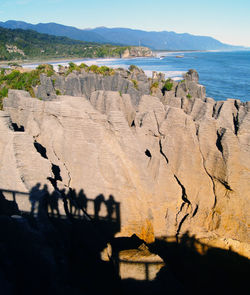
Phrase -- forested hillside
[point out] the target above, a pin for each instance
(28, 44)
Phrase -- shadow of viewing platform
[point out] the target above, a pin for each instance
(73, 206)
(55, 241)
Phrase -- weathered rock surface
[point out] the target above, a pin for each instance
(175, 164)
(84, 83)
(139, 51)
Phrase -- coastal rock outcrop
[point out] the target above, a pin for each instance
(134, 83)
(139, 51)
(189, 86)
(177, 163)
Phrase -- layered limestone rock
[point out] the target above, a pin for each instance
(134, 82)
(175, 164)
(139, 51)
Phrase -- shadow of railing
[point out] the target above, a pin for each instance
(140, 270)
(71, 229)
(61, 206)
(189, 266)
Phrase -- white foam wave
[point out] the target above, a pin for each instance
(111, 62)
(88, 62)
(175, 75)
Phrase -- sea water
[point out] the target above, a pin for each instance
(225, 74)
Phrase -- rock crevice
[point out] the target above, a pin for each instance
(198, 152)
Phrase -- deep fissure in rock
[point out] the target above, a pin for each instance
(147, 153)
(161, 151)
(16, 128)
(184, 194)
(236, 105)
(57, 175)
(226, 185)
(195, 210)
(219, 140)
(236, 123)
(208, 174)
(57, 172)
(65, 166)
(185, 201)
(216, 113)
(180, 225)
(40, 149)
(197, 130)
(180, 210)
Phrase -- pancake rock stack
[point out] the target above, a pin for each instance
(176, 161)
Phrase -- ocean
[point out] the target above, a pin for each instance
(224, 74)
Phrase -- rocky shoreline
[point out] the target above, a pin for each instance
(115, 183)
(176, 160)
(131, 52)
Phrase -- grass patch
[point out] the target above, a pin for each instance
(168, 85)
(22, 81)
(154, 86)
(135, 83)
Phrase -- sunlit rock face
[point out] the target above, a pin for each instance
(175, 163)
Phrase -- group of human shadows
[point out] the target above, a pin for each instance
(75, 204)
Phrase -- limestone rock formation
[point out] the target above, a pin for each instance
(175, 163)
(83, 84)
(134, 51)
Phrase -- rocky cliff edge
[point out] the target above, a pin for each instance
(176, 161)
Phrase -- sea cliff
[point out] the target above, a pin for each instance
(176, 160)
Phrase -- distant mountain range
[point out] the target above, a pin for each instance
(122, 36)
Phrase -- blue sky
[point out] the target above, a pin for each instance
(226, 20)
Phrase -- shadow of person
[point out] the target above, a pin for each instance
(44, 196)
(110, 203)
(53, 203)
(65, 199)
(56, 255)
(72, 201)
(34, 197)
(97, 204)
(82, 202)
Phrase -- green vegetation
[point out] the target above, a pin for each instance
(93, 68)
(3, 93)
(103, 70)
(135, 82)
(16, 79)
(14, 64)
(23, 81)
(189, 96)
(154, 85)
(22, 44)
(72, 67)
(168, 85)
(83, 66)
(106, 71)
(132, 68)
